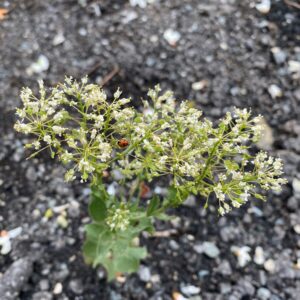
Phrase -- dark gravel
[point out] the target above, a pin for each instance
(227, 46)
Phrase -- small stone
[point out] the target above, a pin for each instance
(263, 293)
(267, 138)
(190, 201)
(76, 286)
(242, 254)
(190, 290)
(292, 203)
(200, 85)
(42, 296)
(178, 296)
(144, 273)
(174, 245)
(44, 285)
(210, 249)
(278, 55)
(270, 265)
(256, 211)
(62, 221)
(297, 228)
(259, 256)
(275, 91)
(111, 190)
(264, 6)
(172, 37)
(296, 185)
(58, 39)
(42, 64)
(115, 296)
(225, 288)
(203, 273)
(294, 68)
(224, 268)
(58, 288)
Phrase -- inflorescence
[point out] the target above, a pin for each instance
(90, 134)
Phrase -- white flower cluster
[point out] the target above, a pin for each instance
(118, 217)
(91, 134)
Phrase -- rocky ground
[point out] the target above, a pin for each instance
(219, 53)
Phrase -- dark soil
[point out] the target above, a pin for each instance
(228, 43)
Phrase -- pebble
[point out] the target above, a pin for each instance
(296, 185)
(178, 296)
(76, 286)
(42, 64)
(275, 91)
(144, 273)
(242, 254)
(203, 273)
(264, 6)
(58, 39)
(245, 287)
(225, 288)
(292, 203)
(224, 268)
(200, 85)
(297, 228)
(210, 249)
(62, 221)
(267, 137)
(263, 293)
(172, 36)
(174, 245)
(270, 265)
(42, 296)
(294, 68)
(115, 296)
(190, 201)
(190, 290)
(44, 284)
(58, 288)
(259, 256)
(278, 55)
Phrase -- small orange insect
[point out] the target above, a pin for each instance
(123, 143)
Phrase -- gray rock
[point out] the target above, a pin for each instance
(13, 280)
(44, 285)
(190, 290)
(174, 245)
(224, 268)
(208, 248)
(76, 286)
(263, 293)
(42, 296)
(278, 55)
(245, 287)
(296, 185)
(115, 296)
(292, 203)
(225, 288)
(144, 273)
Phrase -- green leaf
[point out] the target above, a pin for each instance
(89, 251)
(153, 205)
(164, 217)
(97, 207)
(260, 197)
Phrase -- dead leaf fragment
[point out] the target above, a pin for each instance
(3, 13)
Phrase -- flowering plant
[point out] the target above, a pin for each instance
(97, 138)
